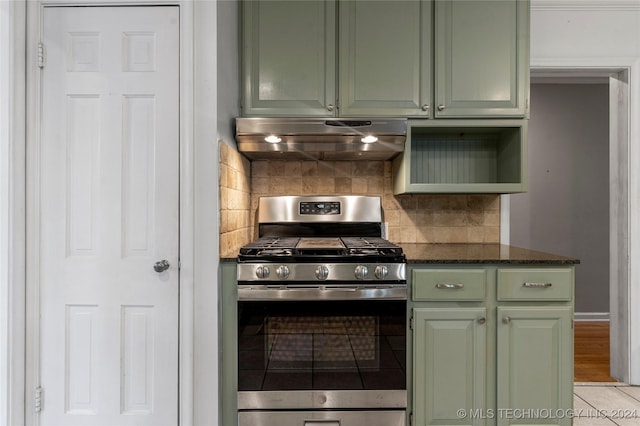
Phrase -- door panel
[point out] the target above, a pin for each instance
(449, 364)
(108, 199)
(481, 58)
(535, 354)
(302, 49)
(385, 58)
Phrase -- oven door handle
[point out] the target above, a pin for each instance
(328, 292)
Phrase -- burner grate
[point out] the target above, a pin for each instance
(306, 248)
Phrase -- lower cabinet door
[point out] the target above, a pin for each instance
(449, 365)
(534, 365)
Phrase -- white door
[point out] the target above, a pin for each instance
(108, 200)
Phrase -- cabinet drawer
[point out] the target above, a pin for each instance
(535, 284)
(449, 284)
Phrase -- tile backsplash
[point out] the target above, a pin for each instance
(422, 218)
(236, 223)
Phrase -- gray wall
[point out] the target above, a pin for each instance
(228, 69)
(566, 210)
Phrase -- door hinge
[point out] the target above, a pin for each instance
(411, 419)
(411, 323)
(40, 55)
(37, 399)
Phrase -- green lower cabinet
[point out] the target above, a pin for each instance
(534, 365)
(449, 365)
(491, 345)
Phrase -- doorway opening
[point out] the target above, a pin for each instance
(577, 201)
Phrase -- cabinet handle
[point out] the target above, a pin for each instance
(425, 107)
(330, 107)
(441, 107)
(537, 285)
(482, 320)
(451, 286)
(506, 320)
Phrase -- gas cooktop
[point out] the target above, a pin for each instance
(345, 249)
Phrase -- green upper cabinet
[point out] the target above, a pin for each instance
(481, 58)
(385, 58)
(289, 58)
(395, 58)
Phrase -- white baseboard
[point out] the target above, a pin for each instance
(591, 316)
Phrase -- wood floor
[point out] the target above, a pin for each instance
(591, 352)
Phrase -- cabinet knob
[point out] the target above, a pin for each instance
(330, 107)
(482, 320)
(441, 107)
(425, 107)
(506, 320)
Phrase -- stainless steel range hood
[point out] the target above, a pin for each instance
(321, 138)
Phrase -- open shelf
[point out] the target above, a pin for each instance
(463, 156)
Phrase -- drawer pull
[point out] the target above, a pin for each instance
(537, 285)
(450, 286)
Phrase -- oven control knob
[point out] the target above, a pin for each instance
(262, 271)
(322, 272)
(361, 272)
(282, 272)
(381, 272)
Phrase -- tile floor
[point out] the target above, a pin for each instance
(606, 404)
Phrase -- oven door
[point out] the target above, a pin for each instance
(322, 354)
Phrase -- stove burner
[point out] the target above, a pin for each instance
(364, 252)
(274, 252)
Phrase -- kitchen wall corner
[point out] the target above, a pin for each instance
(235, 201)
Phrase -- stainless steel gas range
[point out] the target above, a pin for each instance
(321, 316)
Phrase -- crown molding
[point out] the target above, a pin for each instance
(586, 5)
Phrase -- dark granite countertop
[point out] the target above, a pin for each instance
(481, 254)
(462, 253)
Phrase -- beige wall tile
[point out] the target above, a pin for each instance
(343, 185)
(293, 185)
(260, 168)
(343, 168)
(276, 168)
(293, 169)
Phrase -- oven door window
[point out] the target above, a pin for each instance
(321, 345)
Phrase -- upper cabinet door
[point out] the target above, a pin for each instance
(385, 58)
(482, 58)
(289, 58)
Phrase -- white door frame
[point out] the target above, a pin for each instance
(624, 185)
(32, 29)
(12, 208)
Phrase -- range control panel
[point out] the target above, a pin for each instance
(320, 208)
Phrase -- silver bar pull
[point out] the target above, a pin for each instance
(450, 286)
(161, 266)
(322, 423)
(537, 285)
